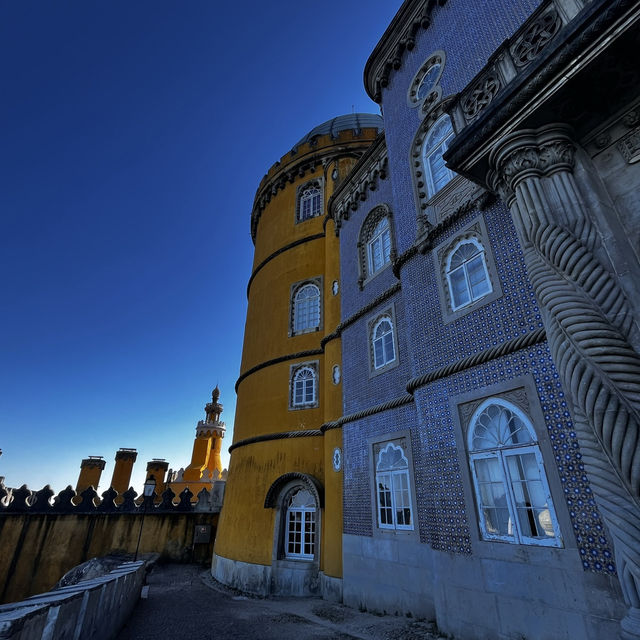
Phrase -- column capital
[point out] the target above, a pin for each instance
(530, 153)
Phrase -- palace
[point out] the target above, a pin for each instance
(438, 408)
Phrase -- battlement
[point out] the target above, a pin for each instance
(24, 500)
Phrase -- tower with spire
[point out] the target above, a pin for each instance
(205, 466)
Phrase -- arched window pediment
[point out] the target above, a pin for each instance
(466, 272)
(512, 492)
(309, 200)
(375, 243)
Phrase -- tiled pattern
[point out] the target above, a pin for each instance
(468, 33)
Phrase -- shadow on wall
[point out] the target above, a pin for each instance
(47, 538)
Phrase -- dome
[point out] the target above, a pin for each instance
(353, 121)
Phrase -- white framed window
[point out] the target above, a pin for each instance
(379, 247)
(375, 243)
(300, 526)
(310, 203)
(512, 493)
(306, 308)
(436, 142)
(467, 274)
(383, 343)
(393, 493)
(304, 386)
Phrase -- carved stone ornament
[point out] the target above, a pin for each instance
(590, 331)
(538, 34)
(481, 95)
(629, 146)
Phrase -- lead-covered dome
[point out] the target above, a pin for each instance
(352, 121)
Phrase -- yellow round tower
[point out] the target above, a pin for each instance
(280, 529)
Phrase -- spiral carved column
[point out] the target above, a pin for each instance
(588, 324)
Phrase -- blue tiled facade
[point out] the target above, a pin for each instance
(447, 518)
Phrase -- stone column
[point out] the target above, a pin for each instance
(590, 329)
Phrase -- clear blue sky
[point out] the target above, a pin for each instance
(133, 136)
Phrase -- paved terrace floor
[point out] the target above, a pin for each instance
(185, 602)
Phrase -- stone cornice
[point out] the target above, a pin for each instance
(305, 159)
(372, 166)
(399, 36)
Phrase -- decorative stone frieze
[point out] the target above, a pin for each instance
(538, 33)
(399, 37)
(590, 329)
(629, 146)
(371, 167)
(512, 58)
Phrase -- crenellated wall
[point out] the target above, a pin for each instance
(43, 539)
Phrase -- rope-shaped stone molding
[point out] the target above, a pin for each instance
(385, 295)
(352, 417)
(268, 363)
(284, 435)
(275, 254)
(515, 344)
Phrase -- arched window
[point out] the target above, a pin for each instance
(379, 246)
(303, 387)
(300, 528)
(375, 242)
(310, 203)
(513, 498)
(435, 144)
(382, 341)
(392, 489)
(467, 274)
(306, 308)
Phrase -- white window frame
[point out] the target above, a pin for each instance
(393, 475)
(310, 204)
(381, 235)
(308, 516)
(501, 454)
(482, 253)
(374, 339)
(297, 378)
(305, 304)
(431, 149)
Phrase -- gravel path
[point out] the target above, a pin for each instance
(185, 602)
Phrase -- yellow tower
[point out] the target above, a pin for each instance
(280, 529)
(91, 469)
(206, 465)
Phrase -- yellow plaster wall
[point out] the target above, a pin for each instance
(267, 326)
(41, 548)
(246, 530)
(264, 408)
(333, 483)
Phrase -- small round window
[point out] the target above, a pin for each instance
(426, 80)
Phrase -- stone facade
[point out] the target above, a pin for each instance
(543, 187)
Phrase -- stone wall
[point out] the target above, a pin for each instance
(94, 609)
(42, 540)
